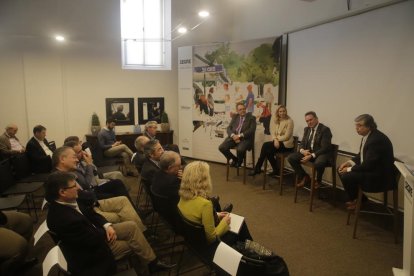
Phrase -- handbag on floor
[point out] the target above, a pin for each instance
(259, 260)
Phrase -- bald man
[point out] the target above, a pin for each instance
(9, 143)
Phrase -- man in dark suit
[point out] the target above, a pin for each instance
(153, 151)
(241, 131)
(315, 147)
(89, 242)
(373, 167)
(39, 151)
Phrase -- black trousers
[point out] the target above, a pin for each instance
(369, 182)
(241, 148)
(268, 151)
(320, 163)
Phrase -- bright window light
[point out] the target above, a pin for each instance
(145, 34)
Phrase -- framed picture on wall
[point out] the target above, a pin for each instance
(121, 110)
(150, 109)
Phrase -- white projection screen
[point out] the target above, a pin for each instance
(360, 64)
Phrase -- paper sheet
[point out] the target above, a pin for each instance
(236, 222)
(227, 258)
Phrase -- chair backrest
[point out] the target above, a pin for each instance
(193, 232)
(165, 207)
(53, 257)
(40, 232)
(295, 143)
(334, 154)
(21, 166)
(6, 175)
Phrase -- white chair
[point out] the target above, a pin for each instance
(40, 232)
(53, 257)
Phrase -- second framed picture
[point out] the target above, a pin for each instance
(150, 109)
(121, 110)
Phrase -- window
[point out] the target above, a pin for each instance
(145, 34)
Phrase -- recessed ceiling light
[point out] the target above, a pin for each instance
(203, 13)
(182, 30)
(60, 38)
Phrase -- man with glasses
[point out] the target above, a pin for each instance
(241, 131)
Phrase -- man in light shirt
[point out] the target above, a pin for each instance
(9, 143)
(39, 151)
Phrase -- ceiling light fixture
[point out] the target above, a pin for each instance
(60, 38)
(182, 30)
(203, 13)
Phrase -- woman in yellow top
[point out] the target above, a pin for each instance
(281, 129)
(195, 206)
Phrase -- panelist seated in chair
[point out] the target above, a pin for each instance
(195, 206)
(241, 131)
(372, 168)
(281, 129)
(315, 147)
(88, 241)
(39, 151)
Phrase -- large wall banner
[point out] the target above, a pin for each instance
(221, 76)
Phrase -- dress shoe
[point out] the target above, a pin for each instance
(316, 185)
(349, 203)
(351, 207)
(234, 163)
(305, 180)
(158, 265)
(228, 208)
(253, 173)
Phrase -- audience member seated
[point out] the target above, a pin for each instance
(85, 148)
(281, 129)
(89, 242)
(195, 206)
(153, 151)
(9, 143)
(241, 131)
(112, 147)
(166, 181)
(151, 132)
(315, 147)
(372, 168)
(15, 234)
(138, 158)
(115, 209)
(39, 151)
(87, 178)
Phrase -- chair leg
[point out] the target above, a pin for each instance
(227, 169)
(282, 166)
(357, 209)
(296, 190)
(395, 199)
(312, 189)
(334, 184)
(264, 174)
(349, 217)
(244, 168)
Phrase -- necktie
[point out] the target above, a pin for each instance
(361, 150)
(238, 129)
(311, 138)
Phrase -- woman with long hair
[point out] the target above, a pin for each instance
(281, 129)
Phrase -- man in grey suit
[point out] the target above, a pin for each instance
(373, 167)
(241, 131)
(315, 147)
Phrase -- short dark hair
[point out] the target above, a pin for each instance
(150, 147)
(38, 128)
(57, 154)
(56, 181)
(71, 144)
(110, 120)
(71, 138)
(367, 120)
(313, 113)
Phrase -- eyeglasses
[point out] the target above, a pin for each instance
(71, 187)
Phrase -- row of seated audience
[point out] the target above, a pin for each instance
(372, 168)
(88, 210)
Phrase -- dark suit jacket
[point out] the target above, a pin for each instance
(83, 239)
(166, 185)
(248, 128)
(378, 163)
(321, 142)
(148, 170)
(39, 161)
